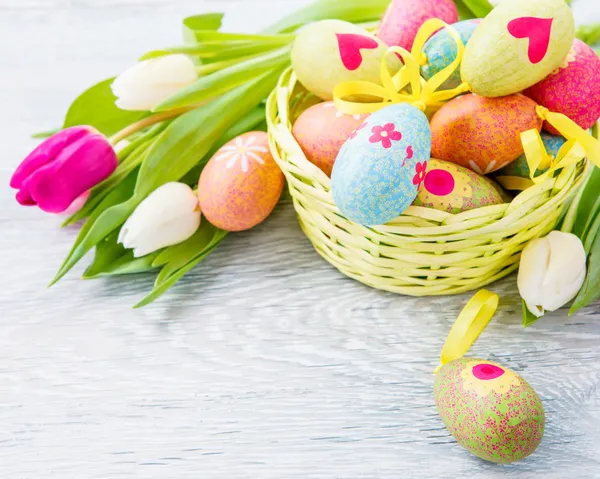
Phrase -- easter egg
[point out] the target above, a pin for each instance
(441, 50)
(481, 133)
(517, 45)
(453, 188)
(330, 52)
(379, 169)
(403, 18)
(490, 410)
(322, 130)
(520, 168)
(241, 184)
(573, 88)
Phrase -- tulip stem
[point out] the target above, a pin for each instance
(148, 121)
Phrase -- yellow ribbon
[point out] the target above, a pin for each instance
(538, 159)
(469, 325)
(392, 90)
(572, 131)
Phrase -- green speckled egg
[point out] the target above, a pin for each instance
(490, 410)
(330, 52)
(454, 188)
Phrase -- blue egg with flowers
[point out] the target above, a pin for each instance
(378, 171)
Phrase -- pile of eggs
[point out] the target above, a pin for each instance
(523, 54)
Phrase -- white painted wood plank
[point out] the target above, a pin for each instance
(264, 362)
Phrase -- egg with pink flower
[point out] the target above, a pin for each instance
(378, 171)
(572, 89)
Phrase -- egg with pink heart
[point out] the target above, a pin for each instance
(329, 52)
(573, 89)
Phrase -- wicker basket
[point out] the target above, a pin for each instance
(423, 252)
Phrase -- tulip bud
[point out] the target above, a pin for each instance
(62, 168)
(168, 216)
(148, 83)
(551, 272)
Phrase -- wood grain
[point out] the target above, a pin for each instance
(264, 362)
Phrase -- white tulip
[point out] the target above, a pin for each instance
(551, 272)
(148, 83)
(168, 216)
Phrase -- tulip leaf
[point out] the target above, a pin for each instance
(175, 276)
(480, 8)
(111, 259)
(590, 291)
(528, 317)
(585, 205)
(206, 21)
(464, 13)
(589, 34)
(45, 134)
(96, 107)
(213, 85)
(192, 135)
(215, 52)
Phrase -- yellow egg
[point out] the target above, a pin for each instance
(453, 188)
(330, 52)
(517, 45)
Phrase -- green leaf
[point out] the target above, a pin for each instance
(105, 213)
(215, 52)
(528, 317)
(45, 134)
(163, 287)
(96, 107)
(206, 21)
(111, 259)
(191, 136)
(225, 80)
(480, 8)
(355, 11)
(590, 291)
(589, 34)
(464, 13)
(586, 205)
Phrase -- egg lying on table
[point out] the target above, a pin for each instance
(573, 88)
(520, 168)
(403, 18)
(241, 184)
(490, 410)
(519, 43)
(441, 50)
(454, 189)
(380, 168)
(322, 130)
(482, 134)
(329, 52)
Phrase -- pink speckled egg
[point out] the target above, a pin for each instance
(482, 134)
(322, 130)
(403, 18)
(573, 89)
(241, 184)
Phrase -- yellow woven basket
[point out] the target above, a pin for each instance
(423, 252)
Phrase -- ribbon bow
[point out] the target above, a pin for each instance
(538, 159)
(423, 94)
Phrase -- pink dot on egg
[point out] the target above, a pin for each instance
(439, 182)
(485, 372)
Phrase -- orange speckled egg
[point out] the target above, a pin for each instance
(322, 130)
(481, 133)
(241, 184)
(573, 89)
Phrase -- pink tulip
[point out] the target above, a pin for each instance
(64, 167)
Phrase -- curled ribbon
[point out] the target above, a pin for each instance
(572, 131)
(538, 159)
(392, 90)
(469, 325)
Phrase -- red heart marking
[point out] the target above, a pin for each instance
(350, 46)
(537, 30)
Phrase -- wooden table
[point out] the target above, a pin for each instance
(264, 362)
